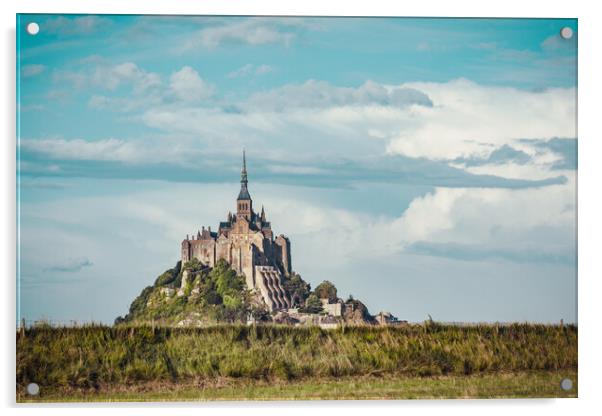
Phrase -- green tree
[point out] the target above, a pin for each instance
(312, 304)
(169, 275)
(139, 304)
(326, 290)
(227, 282)
(232, 302)
(297, 288)
(193, 264)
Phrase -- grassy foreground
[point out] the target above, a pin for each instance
(279, 362)
(540, 384)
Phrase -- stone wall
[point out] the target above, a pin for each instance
(283, 254)
(269, 283)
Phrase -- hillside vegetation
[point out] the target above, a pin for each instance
(194, 294)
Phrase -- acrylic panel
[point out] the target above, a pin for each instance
(276, 208)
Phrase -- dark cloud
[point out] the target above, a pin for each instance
(71, 265)
(501, 155)
(470, 252)
(315, 172)
(567, 148)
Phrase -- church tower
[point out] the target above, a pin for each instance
(244, 204)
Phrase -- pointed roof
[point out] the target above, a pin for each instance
(244, 191)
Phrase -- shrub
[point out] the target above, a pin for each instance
(297, 288)
(312, 305)
(326, 290)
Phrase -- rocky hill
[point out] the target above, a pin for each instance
(194, 294)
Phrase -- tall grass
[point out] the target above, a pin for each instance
(90, 357)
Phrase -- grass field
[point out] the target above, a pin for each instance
(538, 384)
(278, 362)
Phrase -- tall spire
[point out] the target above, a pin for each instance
(243, 173)
(244, 191)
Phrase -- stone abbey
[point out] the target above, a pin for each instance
(246, 241)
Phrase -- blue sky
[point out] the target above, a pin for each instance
(426, 166)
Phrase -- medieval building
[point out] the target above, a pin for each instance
(246, 241)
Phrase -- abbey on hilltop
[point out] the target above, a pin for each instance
(246, 241)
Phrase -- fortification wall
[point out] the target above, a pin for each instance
(204, 251)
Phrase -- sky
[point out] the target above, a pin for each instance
(425, 166)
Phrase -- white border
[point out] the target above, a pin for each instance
(590, 207)
(457, 8)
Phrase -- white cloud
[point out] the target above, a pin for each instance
(510, 224)
(263, 69)
(83, 25)
(76, 79)
(250, 69)
(252, 31)
(436, 121)
(321, 94)
(99, 101)
(32, 70)
(149, 150)
(447, 122)
(110, 77)
(187, 85)
(78, 149)
(472, 120)
(494, 218)
(533, 170)
(556, 42)
(146, 89)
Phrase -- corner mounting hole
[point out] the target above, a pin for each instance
(33, 389)
(566, 384)
(33, 28)
(566, 32)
